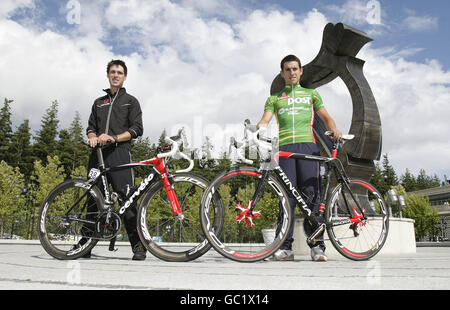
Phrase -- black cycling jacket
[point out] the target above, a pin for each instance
(119, 114)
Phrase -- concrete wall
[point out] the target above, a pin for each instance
(400, 240)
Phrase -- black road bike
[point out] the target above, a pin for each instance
(79, 212)
(252, 203)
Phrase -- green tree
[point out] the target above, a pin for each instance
(44, 179)
(425, 181)
(21, 149)
(408, 181)
(80, 152)
(46, 144)
(11, 200)
(378, 180)
(419, 209)
(390, 177)
(5, 130)
(141, 149)
(425, 217)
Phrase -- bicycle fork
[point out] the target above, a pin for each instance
(174, 204)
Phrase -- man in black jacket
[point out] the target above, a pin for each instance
(117, 118)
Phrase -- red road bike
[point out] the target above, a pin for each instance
(79, 212)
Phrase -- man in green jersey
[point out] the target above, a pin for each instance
(294, 108)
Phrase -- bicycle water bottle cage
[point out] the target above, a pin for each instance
(247, 215)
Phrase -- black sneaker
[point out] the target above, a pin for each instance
(139, 252)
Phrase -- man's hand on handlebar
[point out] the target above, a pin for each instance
(101, 140)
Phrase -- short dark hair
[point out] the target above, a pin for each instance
(117, 62)
(290, 58)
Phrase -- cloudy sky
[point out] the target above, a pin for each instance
(208, 65)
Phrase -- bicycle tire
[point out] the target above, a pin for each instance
(365, 240)
(67, 237)
(232, 190)
(163, 234)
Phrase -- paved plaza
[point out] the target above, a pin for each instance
(24, 265)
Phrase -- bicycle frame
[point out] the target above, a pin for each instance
(99, 175)
(334, 164)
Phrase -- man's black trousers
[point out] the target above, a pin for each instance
(122, 182)
(305, 176)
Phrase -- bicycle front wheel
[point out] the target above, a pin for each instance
(245, 237)
(353, 236)
(166, 236)
(67, 219)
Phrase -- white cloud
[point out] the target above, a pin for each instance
(210, 74)
(420, 23)
(7, 7)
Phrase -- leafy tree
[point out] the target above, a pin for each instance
(425, 217)
(5, 130)
(44, 179)
(11, 200)
(46, 144)
(419, 209)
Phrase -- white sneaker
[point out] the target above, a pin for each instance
(282, 255)
(318, 255)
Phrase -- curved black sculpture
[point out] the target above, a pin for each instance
(336, 58)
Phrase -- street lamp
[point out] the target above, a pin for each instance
(392, 198)
(398, 200)
(401, 204)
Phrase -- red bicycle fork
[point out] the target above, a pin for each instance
(160, 166)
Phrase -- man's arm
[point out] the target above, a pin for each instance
(266, 118)
(329, 122)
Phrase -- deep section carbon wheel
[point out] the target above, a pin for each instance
(245, 236)
(356, 233)
(67, 219)
(168, 237)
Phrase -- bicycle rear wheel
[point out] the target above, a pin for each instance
(166, 236)
(241, 238)
(67, 219)
(363, 239)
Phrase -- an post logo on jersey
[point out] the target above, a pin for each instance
(306, 100)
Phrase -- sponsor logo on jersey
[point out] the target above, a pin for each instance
(306, 100)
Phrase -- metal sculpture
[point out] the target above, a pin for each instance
(336, 58)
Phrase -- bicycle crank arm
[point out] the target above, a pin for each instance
(321, 228)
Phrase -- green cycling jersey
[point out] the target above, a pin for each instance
(294, 108)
